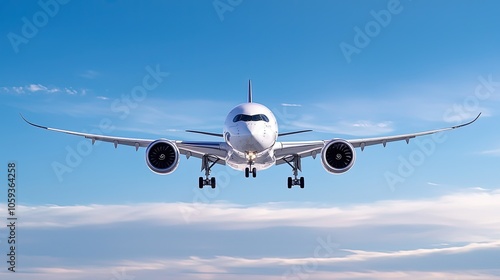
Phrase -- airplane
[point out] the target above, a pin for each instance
(250, 144)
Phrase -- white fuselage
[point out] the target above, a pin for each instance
(250, 130)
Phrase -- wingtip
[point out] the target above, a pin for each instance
(24, 119)
(475, 119)
(30, 123)
(464, 124)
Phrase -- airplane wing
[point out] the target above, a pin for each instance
(197, 149)
(285, 151)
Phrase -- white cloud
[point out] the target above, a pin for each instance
(104, 273)
(354, 128)
(90, 74)
(224, 267)
(464, 224)
(467, 214)
(227, 265)
(375, 116)
(479, 189)
(38, 88)
(157, 116)
(493, 152)
(426, 105)
(290, 105)
(102, 97)
(18, 89)
(70, 91)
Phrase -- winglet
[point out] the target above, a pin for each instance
(249, 91)
(44, 127)
(464, 124)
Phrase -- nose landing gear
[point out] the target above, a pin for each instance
(253, 171)
(250, 159)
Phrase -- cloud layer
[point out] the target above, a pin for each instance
(38, 88)
(426, 238)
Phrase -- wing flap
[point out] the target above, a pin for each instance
(282, 150)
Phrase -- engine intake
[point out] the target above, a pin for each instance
(162, 156)
(338, 156)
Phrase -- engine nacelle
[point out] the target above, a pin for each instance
(162, 156)
(338, 156)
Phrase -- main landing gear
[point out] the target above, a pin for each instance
(206, 164)
(296, 167)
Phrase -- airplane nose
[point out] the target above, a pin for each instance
(251, 136)
(259, 136)
(254, 130)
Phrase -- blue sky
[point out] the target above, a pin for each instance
(412, 66)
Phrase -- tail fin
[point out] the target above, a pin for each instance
(249, 91)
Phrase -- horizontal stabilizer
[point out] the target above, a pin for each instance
(206, 133)
(294, 132)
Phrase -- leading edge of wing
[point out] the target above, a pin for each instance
(96, 137)
(293, 132)
(206, 133)
(385, 139)
(188, 148)
(312, 148)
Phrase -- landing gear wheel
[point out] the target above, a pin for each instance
(247, 172)
(295, 165)
(206, 164)
(254, 172)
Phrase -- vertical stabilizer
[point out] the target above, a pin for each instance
(249, 91)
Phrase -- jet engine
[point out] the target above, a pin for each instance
(162, 156)
(338, 156)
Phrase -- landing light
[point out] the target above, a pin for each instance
(250, 156)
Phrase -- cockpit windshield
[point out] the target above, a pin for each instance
(247, 118)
